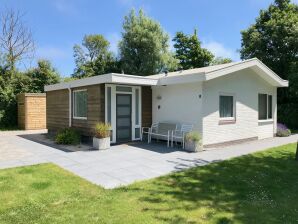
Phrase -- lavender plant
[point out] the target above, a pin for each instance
(282, 130)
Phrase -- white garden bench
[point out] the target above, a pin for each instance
(160, 130)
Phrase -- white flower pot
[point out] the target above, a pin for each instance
(192, 146)
(101, 143)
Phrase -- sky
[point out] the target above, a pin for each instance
(59, 24)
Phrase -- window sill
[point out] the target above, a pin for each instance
(227, 121)
(80, 118)
(265, 121)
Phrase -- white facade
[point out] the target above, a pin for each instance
(178, 103)
(245, 85)
(198, 103)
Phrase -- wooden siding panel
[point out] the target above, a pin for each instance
(57, 109)
(146, 106)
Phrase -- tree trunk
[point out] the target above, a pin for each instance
(297, 152)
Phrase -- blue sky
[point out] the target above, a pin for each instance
(59, 24)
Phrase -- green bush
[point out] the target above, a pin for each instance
(68, 136)
(287, 114)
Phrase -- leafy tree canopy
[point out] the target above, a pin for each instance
(220, 60)
(274, 37)
(189, 51)
(44, 74)
(93, 57)
(144, 48)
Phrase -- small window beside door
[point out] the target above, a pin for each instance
(265, 107)
(226, 107)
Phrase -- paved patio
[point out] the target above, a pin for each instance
(122, 164)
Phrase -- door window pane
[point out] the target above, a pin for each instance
(123, 100)
(262, 106)
(123, 111)
(123, 122)
(226, 106)
(137, 107)
(137, 132)
(269, 106)
(123, 89)
(80, 104)
(123, 134)
(109, 105)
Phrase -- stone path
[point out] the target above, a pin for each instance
(122, 164)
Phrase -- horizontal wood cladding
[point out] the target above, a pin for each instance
(146, 106)
(95, 110)
(32, 111)
(57, 109)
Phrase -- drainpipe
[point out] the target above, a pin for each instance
(70, 102)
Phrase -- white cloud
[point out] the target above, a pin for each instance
(65, 6)
(219, 50)
(114, 39)
(51, 53)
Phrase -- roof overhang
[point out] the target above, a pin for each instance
(256, 65)
(261, 69)
(107, 78)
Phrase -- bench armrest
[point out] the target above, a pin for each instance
(146, 129)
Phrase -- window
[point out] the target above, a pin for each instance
(109, 105)
(123, 89)
(265, 106)
(80, 104)
(269, 106)
(137, 107)
(226, 106)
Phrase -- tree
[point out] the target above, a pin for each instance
(144, 48)
(93, 57)
(16, 41)
(220, 60)
(41, 76)
(189, 51)
(273, 39)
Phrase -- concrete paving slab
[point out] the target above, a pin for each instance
(121, 164)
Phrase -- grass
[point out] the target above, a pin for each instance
(257, 188)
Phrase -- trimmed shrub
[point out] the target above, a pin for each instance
(68, 136)
(102, 130)
(282, 130)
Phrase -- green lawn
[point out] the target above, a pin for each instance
(258, 188)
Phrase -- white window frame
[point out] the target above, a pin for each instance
(234, 107)
(267, 119)
(74, 104)
(114, 92)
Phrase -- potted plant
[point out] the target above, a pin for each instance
(193, 142)
(101, 139)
